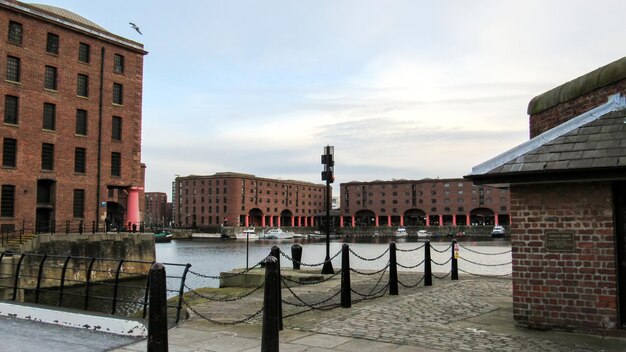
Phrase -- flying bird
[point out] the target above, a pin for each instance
(135, 27)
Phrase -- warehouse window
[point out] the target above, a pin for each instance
(47, 156)
(81, 122)
(79, 203)
(52, 43)
(84, 52)
(82, 87)
(15, 33)
(11, 108)
(50, 78)
(7, 208)
(13, 69)
(49, 116)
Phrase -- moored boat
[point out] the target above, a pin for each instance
(276, 234)
(162, 237)
(400, 232)
(247, 234)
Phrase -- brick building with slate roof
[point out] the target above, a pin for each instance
(568, 206)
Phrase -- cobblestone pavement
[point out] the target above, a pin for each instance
(473, 314)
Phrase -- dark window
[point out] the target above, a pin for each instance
(83, 52)
(15, 33)
(8, 201)
(82, 88)
(81, 122)
(47, 156)
(49, 116)
(9, 152)
(79, 160)
(79, 203)
(52, 44)
(118, 91)
(11, 108)
(50, 78)
(116, 164)
(13, 69)
(116, 128)
(118, 63)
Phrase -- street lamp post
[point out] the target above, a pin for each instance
(328, 176)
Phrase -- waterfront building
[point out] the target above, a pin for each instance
(237, 199)
(155, 214)
(71, 100)
(568, 205)
(425, 202)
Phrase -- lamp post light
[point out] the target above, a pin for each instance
(328, 176)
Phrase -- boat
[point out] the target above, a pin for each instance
(400, 232)
(276, 234)
(162, 237)
(423, 234)
(315, 234)
(248, 233)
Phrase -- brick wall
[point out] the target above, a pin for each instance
(566, 290)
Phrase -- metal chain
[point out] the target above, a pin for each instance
(323, 308)
(305, 264)
(411, 286)
(373, 297)
(483, 275)
(222, 322)
(369, 259)
(444, 263)
(410, 250)
(481, 264)
(372, 273)
(371, 294)
(376, 285)
(223, 277)
(441, 277)
(304, 304)
(411, 267)
(441, 251)
(225, 299)
(483, 253)
(311, 282)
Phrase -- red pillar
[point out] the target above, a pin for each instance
(247, 220)
(454, 220)
(427, 220)
(440, 220)
(467, 219)
(388, 220)
(132, 204)
(340, 221)
(376, 220)
(293, 221)
(495, 218)
(263, 221)
(353, 221)
(306, 221)
(402, 221)
(278, 221)
(271, 221)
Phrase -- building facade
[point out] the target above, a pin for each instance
(568, 205)
(155, 214)
(426, 202)
(235, 199)
(71, 103)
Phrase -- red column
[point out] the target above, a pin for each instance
(247, 220)
(440, 220)
(293, 221)
(278, 221)
(454, 220)
(467, 219)
(340, 221)
(353, 221)
(263, 221)
(299, 221)
(132, 205)
(402, 221)
(388, 220)
(495, 218)
(306, 221)
(271, 221)
(427, 220)
(376, 220)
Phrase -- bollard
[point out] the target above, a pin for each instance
(275, 252)
(428, 271)
(296, 255)
(455, 264)
(393, 270)
(269, 336)
(157, 316)
(346, 290)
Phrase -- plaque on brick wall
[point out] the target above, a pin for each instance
(560, 242)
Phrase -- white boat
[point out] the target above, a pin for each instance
(248, 233)
(276, 234)
(315, 234)
(423, 234)
(400, 232)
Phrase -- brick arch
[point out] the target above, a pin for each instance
(414, 217)
(365, 217)
(482, 216)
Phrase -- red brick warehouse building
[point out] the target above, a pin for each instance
(426, 202)
(235, 199)
(155, 214)
(71, 134)
(568, 205)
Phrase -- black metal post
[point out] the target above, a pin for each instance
(39, 276)
(179, 306)
(346, 290)
(17, 275)
(269, 336)
(275, 252)
(328, 266)
(455, 263)
(393, 270)
(296, 255)
(157, 316)
(63, 272)
(247, 248)
(428, 271)
(116, 284)
(88, 281)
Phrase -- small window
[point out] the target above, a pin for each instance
(81, 122)
(118, 91)
(13, 69)
(116, 164)
(49, 116)
(52, 44)
(79, 160)
(116, 128)
(79, 203)
(15, 33)
(82, 88)
(50, 78)
(118, 63)
(84, 52)
(9, 152)
(7, 208)
(47, 156)
(11, 109)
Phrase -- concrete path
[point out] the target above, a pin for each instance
(473, 314)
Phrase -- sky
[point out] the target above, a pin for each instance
(403, 89)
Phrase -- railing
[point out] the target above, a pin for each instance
(113, 286)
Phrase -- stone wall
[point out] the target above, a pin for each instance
(572, 290)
